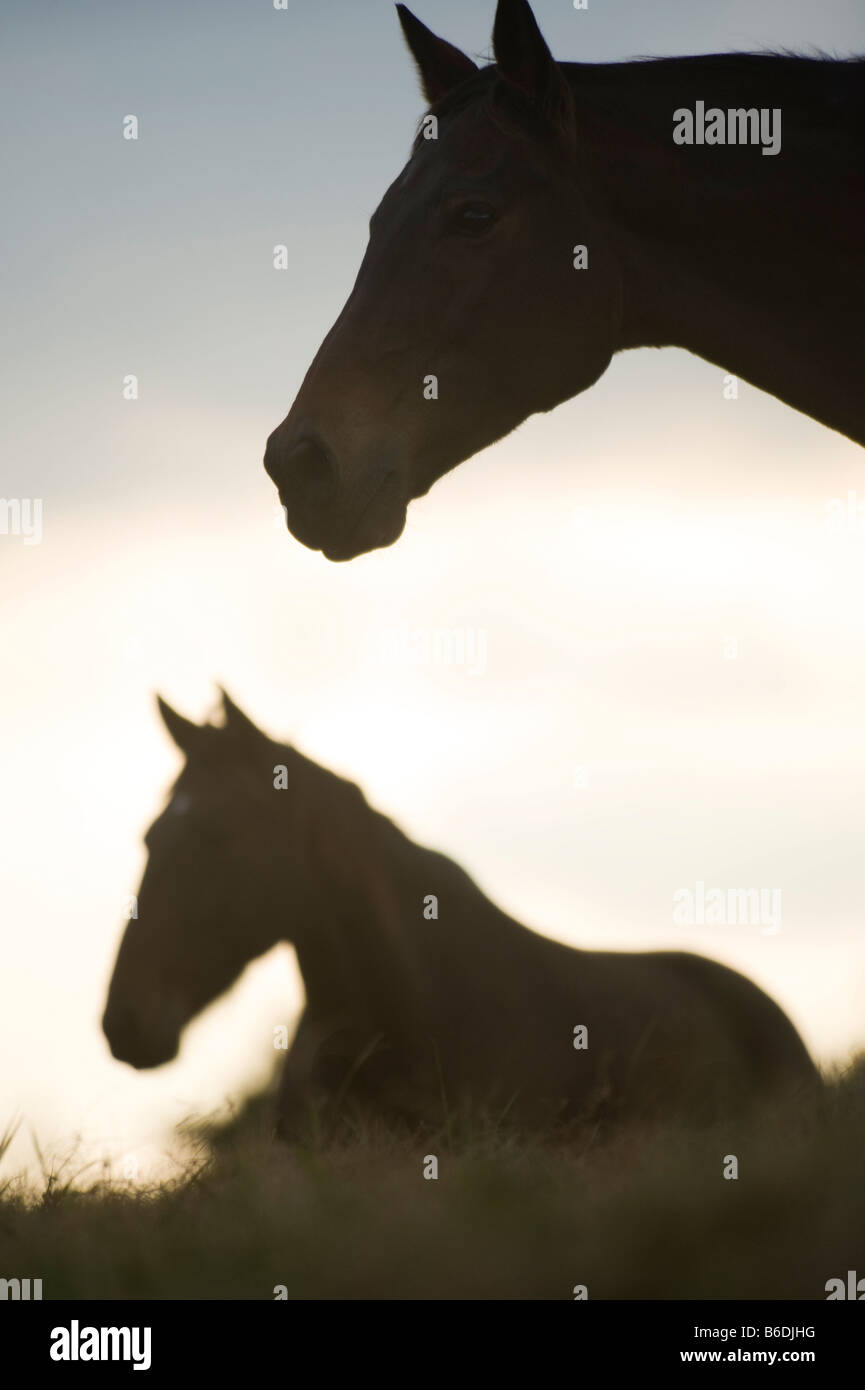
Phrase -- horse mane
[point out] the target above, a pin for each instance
(813, 91)
(478, 90)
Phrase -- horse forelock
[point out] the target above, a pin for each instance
(484, 95)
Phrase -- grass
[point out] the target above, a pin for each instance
(638, 1215)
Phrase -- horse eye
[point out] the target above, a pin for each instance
(472, 218)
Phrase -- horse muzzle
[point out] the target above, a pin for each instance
(325, 512)
(142, 1044)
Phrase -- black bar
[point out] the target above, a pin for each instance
(227, 1338)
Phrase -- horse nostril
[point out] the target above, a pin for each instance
(309, 475)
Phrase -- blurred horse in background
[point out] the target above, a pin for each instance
(420, 992)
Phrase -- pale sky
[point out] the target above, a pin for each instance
(613, 553)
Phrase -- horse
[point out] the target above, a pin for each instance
(421, 994)
(553, 214)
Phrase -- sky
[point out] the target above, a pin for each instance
(671, 642)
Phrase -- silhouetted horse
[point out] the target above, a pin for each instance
(419, 991)
(475, 306)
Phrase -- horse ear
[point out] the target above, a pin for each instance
(182, 730)
(440, 65)
(525, 62)
(235, 719)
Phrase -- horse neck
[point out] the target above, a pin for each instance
(750, 261)
(370, 955)
(356, 958)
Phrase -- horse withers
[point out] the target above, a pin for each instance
(420, 992)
